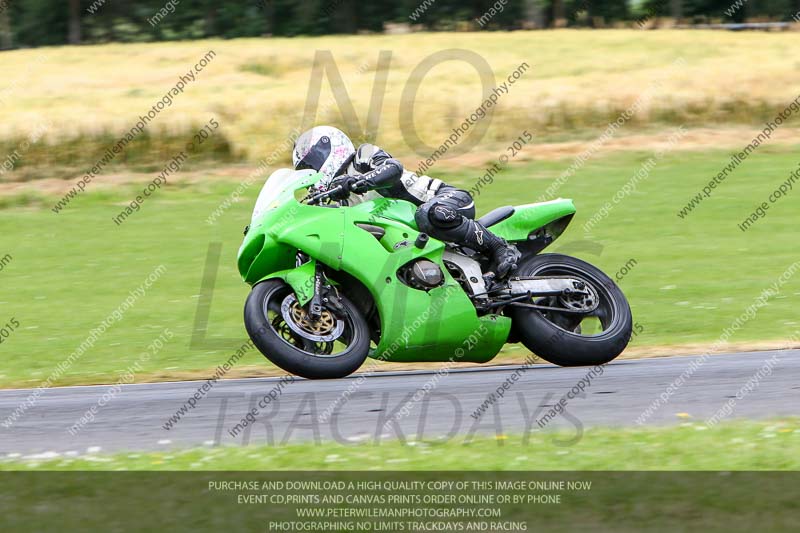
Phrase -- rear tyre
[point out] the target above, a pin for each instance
(332, 347)
(568, 339)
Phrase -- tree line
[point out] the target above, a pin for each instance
(27, 23)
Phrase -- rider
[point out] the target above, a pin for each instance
(444, 212)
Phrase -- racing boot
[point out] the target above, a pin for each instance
(504, 256)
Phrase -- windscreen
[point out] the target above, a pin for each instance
(278, 188)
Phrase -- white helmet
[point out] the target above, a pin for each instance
(323, 148)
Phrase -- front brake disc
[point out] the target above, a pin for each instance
(325, 329)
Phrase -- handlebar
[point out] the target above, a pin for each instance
(316, 198)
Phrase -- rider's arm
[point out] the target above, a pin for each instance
(379, 169)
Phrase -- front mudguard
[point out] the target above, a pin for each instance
(301, 279)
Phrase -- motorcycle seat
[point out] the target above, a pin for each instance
(496, 215)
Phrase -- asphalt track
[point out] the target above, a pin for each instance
(134, 417)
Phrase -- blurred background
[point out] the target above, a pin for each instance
(687, 83)
(51, 22)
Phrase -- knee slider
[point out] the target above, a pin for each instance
(423, 220)
(443, 216)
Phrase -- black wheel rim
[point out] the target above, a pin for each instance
(596, 323)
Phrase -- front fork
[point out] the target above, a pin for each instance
(312, 287)
(315, 306)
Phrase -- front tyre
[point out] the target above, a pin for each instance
(333, 346)
(570, 339)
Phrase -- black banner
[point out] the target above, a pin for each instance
(399, 501)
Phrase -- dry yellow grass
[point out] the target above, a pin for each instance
(257, 87)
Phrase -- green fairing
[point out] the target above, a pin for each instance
(527, 218)
(415, 325)
(438, 325)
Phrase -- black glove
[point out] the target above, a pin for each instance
(348, 184)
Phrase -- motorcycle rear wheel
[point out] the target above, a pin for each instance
(568, 339)
(304, 348)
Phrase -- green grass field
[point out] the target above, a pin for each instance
(737, 445)
(692, 277)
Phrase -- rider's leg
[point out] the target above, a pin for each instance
(449, 216)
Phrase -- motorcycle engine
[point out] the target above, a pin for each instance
(421, 274)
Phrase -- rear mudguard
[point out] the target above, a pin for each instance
(528, 219)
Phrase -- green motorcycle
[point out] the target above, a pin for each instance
(335, 283)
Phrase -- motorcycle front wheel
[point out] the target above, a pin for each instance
(333, 346)
(567, 338)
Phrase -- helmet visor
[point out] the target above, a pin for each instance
(316, 155)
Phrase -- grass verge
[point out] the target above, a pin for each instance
(738, 445)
